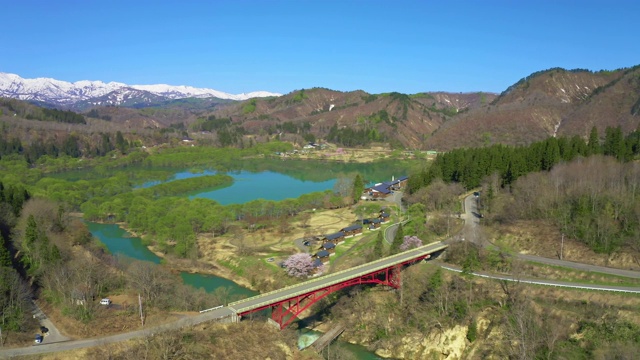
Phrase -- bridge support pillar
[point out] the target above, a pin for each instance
(234, 316)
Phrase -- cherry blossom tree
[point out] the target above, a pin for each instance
(410, 242)
(299, 265)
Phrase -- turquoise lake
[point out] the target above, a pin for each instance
(287, 179)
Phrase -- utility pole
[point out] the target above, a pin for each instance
(140, 303)
(561, 246)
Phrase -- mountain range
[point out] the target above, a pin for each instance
(553, 102)
(84, 94)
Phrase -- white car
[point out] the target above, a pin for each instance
(105, 301)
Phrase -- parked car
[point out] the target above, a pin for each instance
(105, 301)
(44, 330)
(38, 339)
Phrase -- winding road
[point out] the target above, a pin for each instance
(470, 233)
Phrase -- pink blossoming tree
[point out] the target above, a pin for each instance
(299, 265)
(410, 242)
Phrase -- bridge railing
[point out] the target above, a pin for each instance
(337, 276)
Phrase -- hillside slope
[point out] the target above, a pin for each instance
(405, 120)
(549, 103)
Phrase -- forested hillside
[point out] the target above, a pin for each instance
(554, 102)
(590, 197)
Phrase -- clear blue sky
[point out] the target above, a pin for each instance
(377, 46)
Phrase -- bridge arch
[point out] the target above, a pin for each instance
(285, 311)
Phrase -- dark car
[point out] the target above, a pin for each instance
(306, 243)
(44, 330)
(38, 339)
(476, 194)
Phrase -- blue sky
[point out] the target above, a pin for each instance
(377, 46)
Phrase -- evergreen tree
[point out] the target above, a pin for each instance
(31, 232)
(551, 154)
(105, 145)
(5, 256)
(121, 143)
(397, 241)
(70, 146)
(358, 187)
(614, 144)
(594, 142)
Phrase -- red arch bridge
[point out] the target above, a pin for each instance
(287, 303)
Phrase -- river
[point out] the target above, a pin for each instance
(247, 186)
(118, 241)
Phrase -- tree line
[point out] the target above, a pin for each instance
(595, 200)
(42, 114)
(175, 222)
(52, 256)
(468, 166)
(15, 294)
(70, 145)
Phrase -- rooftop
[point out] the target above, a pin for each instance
(334, 235)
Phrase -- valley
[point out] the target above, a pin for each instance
(550, 158)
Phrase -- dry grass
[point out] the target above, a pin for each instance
(121, 316)
(543, 239)
(263, 243)
(245, 340)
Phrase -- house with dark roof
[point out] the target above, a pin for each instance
(384, 217)
(322, 255)
(330, 247)
(402, 181)
(379, 191)
(352, 230)
(317, 267)
(384, 189)
(336, 238)
(374, 224)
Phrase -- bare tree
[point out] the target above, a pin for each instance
(148, 279)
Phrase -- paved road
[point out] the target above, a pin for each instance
(470, 230)
(331, 279)
(84, 343)
(225, 313)
(566, 284)
(471, 233)
(54, 335)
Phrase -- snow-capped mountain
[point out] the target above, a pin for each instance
(94, 93)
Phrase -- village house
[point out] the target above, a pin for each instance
(374, 224)
(335, 238)
(379, 191)
(322, 255)
(329, 247)
(353, 230)
(384, 189)
(400, 183)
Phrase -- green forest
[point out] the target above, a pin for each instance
(588, 189)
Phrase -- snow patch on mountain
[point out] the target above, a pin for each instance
(67, 94)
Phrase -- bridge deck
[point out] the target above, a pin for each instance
(273, 297)
(328, 337)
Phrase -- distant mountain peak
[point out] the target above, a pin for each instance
(67, 94)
